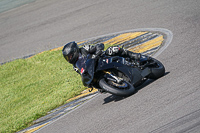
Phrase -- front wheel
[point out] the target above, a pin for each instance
(157, 69)
(120, 89)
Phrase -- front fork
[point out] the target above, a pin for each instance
(111, 77)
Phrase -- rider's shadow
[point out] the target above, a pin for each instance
(115, 98)
(112, 98)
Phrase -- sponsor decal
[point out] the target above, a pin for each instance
(82, 70)
(107, 61)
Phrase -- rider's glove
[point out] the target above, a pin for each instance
(112, 50)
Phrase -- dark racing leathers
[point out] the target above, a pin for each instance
(112, 51)
(89, 49)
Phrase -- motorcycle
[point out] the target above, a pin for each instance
(117, 75)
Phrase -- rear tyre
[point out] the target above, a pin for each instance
(157, 70)
(122, 89)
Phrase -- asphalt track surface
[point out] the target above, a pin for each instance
(169, 104)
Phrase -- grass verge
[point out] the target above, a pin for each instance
(29, 88)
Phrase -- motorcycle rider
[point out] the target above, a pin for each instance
(71, 52)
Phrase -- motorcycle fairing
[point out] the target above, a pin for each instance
(88, 73)
(87, 69)
(118, 63)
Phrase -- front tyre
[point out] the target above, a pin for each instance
(157, 70)
(122, 89)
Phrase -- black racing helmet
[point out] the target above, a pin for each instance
(71, 52)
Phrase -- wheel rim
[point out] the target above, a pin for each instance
(122, 85)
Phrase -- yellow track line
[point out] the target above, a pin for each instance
(84, 94)
(148, 45)
(123, 37)
(132, 36)
(81, 42)
(117, 38)
(55, 49)
(36, 128)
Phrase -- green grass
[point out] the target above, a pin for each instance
(29, 88)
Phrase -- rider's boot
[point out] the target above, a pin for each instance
(102, 91)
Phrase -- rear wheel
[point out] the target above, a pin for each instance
(123, 88)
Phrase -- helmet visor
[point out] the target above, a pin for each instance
(69, 57)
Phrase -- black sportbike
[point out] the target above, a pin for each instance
(117, 75)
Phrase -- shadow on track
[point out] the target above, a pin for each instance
(115, 98)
